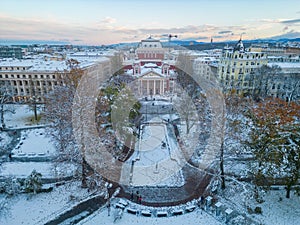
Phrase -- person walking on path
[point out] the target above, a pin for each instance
(108, 208)
(131, 196)
(137, 196)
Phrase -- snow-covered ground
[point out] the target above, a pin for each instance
(157, 159)
(276, 208)
(47, 169)
(34, 143)
(21, 118)
(5, 139)
(29, 209)
(279, 210)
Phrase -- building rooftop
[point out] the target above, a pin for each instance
(40, 64)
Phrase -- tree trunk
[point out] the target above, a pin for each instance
(288, 191)
(222, 166)
(187, 126)
(84, 168)
(2, 116)
(35, 111)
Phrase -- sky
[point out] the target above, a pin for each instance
(97, 22)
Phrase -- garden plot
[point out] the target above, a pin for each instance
(34, 143)
(157, 160)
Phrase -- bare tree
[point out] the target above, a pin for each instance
(187, 110)
(117, 64)
(263, 80)
(5, 97)
(58, 112)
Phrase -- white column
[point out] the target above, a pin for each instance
(154, 91)
(148, 87)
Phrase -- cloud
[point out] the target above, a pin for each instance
(225, 32)
(106, 31)
(285, 28)
(290, 21)
(191, 38)
(109, 20)
(290, 34)
(282, 21)
(218, 36)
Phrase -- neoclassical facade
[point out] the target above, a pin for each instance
(153, 83)
(154, 75)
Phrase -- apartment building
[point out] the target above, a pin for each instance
(235, 66)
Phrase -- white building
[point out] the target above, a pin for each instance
(28, 78)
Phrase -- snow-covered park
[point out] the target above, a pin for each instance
(33, 150)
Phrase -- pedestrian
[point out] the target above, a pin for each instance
(140, 199)
(137, 196)
(108, 208)
(131, 196)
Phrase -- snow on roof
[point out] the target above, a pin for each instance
(39, 64)
(201, 59)
(285, 65)
(149, 65)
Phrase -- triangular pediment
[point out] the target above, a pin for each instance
(150, 74)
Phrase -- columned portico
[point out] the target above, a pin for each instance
(152, 83)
